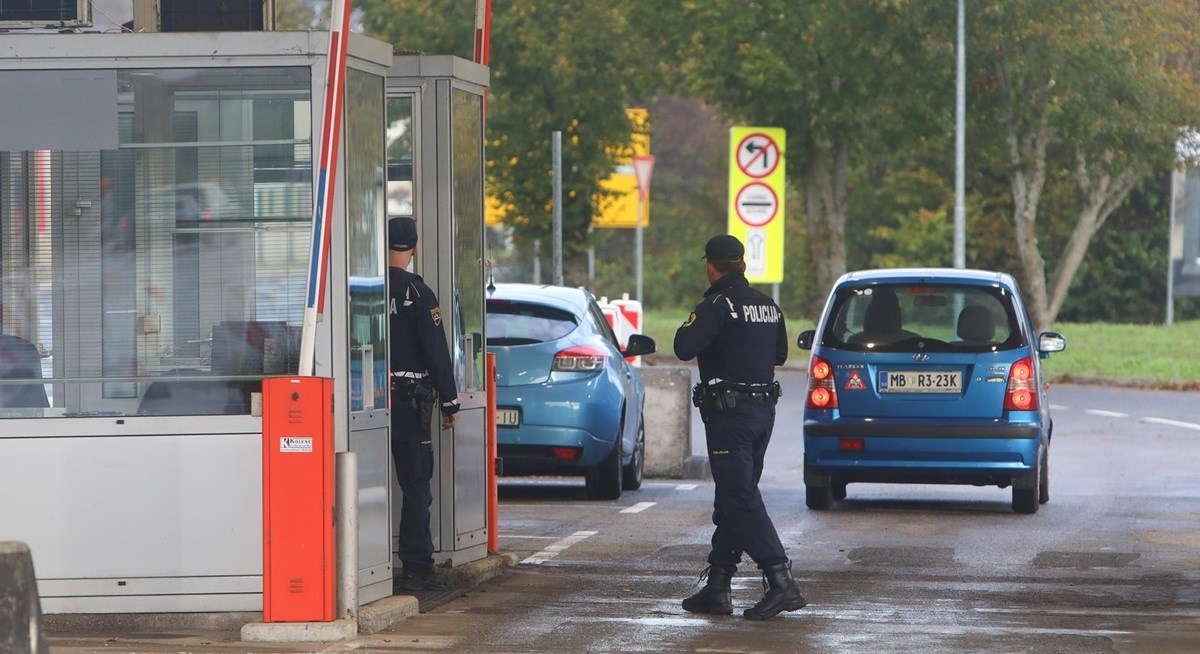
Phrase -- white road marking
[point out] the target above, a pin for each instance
(1107, 414)
(1172, 423)
(638, 508)
(685, 487)
(552, 550)
(1058, 407)
(524, 537)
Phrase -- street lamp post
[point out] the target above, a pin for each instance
(960, 144)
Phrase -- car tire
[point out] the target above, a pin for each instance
(1044, 487)
(818, 498)
(631, 475)
(603, 480)
(1025, 500)
(838, 490)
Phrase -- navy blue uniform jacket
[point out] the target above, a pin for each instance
(736, 334)
(418, 341)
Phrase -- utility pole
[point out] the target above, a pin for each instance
(960, 144)
(556, 151)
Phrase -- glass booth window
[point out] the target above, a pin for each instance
(165, 276)
(467, 202)
(365, 199)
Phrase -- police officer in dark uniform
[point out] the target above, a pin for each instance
(738, 336)
(422, 377)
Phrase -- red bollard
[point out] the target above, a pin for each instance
(493, 501)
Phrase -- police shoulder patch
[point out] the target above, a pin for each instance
(436, 314)
(690, 319)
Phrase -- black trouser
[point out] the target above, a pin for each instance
(412, 451)
(737, 443)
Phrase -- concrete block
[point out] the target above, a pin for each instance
(21, 628)
(300, 632)
(668, 416)
(383, 613)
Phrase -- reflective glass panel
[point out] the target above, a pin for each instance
(165, 276)
(365, 201)
(467, 203)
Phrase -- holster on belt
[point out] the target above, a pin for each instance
(712, 400)
(420, 394)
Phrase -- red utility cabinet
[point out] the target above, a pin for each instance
(298, 555)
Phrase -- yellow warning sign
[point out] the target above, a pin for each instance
(618, 207)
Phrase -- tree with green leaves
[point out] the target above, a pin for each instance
(844, 78)
(1099, 87)
(555, 66)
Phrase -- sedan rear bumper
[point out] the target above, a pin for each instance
(893, 455)
(923, 430)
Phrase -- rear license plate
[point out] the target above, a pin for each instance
(907, 381)
(508, 417)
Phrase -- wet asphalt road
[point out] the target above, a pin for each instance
(1111, 564)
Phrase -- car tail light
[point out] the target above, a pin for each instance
(821, 391)
(581, 358)
(1021, 394)
(565, 453)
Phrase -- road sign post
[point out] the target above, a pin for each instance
(643, 168)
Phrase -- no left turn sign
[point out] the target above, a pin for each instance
(757, 155)
(756, 204)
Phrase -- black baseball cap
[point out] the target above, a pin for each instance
(725, 247)
(402, 233)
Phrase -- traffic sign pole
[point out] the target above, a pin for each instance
(643, 168)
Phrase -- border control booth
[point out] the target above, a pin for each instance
(156, 196)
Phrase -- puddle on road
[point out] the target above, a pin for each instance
(1084, 560)
(922, 557)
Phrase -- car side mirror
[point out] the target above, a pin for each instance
(638, 345)
(1051, 342)
(805, 340)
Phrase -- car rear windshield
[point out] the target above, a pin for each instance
(926, 317)
(524, 323)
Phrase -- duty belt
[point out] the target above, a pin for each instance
(404, 374)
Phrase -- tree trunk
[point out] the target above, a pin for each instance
(826, 194)
(818, 241)
(1027, 159)
(835, 208)
(1101, 196)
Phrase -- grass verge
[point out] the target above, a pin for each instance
(1150, 356)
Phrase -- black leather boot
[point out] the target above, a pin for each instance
(714, 597)
(783, 593)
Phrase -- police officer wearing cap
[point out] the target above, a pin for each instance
(738, 336)
(422, 377)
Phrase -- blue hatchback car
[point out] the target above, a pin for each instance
(567, 400)
(927, 376)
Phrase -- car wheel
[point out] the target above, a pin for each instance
(818, 498)
(1025, 500)
(1044, 487)
(838, 490)
(631, 475)
(604, 480)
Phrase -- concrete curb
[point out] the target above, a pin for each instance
(21, 627)
(300, 632)
(381, 614)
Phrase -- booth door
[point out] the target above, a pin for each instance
(367, 328)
